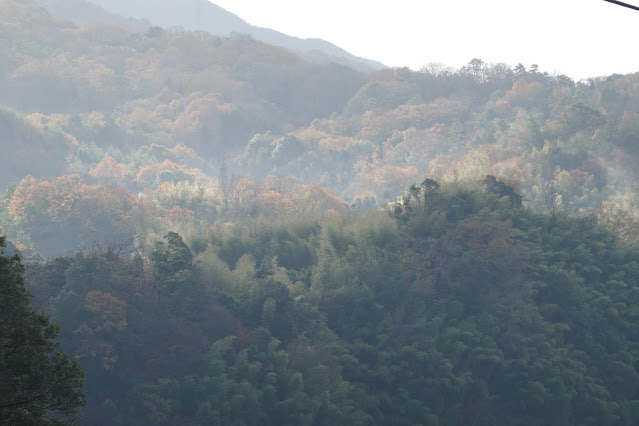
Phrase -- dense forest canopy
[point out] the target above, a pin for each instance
(229, 233)
(457, 306)
(182, 127)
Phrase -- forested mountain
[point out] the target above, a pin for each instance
(178, 127)
(203, 127)
(232, 234)
(82, 11)
(200, 15)
(458, 307)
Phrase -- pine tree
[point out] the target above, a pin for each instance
(39, 385)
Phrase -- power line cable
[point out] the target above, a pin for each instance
(620, 3)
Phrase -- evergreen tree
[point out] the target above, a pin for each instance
(38, 384)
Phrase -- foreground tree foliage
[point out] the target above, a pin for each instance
(39, 385)
(454, 306)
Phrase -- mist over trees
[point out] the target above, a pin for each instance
(149, 120)
(229, 232)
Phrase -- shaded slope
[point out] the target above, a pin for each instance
(460, 307)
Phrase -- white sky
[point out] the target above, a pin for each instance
(579, 38)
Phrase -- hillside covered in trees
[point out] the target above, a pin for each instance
(110, 131)
(233, 233)
(459, 307)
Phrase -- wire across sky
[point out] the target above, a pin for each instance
(620, 3)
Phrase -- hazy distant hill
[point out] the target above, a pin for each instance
(206, 16)
(83, 11)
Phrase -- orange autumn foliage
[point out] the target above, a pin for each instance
(108, 170)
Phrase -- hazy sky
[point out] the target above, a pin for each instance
(579, 38)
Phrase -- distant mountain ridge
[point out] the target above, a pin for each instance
(203, 15)
(83, 11)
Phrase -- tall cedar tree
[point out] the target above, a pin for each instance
(38, 384)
